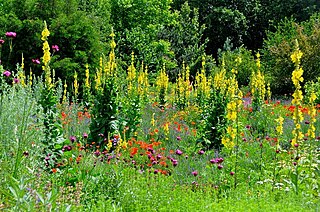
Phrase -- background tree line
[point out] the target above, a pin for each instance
(160, 32)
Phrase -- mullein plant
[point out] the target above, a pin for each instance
(87, 97)
(53, 127)
(297, 114)
(279, 132)
(230, 139)
(258, 88)
(202, 85)
(136, 83)
(183, 88)
(104, 127)
(162, 84)
(213, 117)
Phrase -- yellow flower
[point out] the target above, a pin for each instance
(296, 56)
(297, 77)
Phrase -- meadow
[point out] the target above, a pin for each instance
(121, 141)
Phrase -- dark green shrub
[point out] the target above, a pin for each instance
(280, 44)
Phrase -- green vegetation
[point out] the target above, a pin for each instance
(144, 105)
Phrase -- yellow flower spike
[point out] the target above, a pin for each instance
(297, 95)
(76, 84)
(64, 98)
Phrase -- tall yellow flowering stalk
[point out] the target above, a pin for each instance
(183, 88)
(76, 85)
(46, 56)
(132, 76)
(162, 86)
(312, 113)
(202, 85)
(234, 96)
(258, 87)
(297, 95)
(143, 83)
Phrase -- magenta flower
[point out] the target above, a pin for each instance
(174, 162)
(55, 48)
(201, 152)
(213, 160)
(195, 173)
(16, 81)
(1, 42)
(7, 73)
(85, 135)
(36, 61)
(11, 34)
(231, 173)
(220, 166)
(179, 152)
(73, 138)
(178, 138)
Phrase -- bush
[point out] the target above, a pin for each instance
(279, 45)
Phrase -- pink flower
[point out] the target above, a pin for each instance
(16, 80)
(179, 152)
(7, 73)
(201, 152)
(55, 48)
(85, 135)
(1, 42)
(11, 34)
(36, 61)
(195, 173)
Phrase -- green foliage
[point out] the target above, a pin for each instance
(280, 44)
(186, 37)
(104, 111)
(245, 68)
(214, 122)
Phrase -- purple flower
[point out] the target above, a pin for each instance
(179, 152)
(97, 153)
(178, 138)
(55, 48)
(11, 34)
(85, 135)
(16, 80)
(220, 160)
(213, 160)
(36, 61)
(231, 173)
(201, 152)
(174, 162)
(7, 73)
(220, 166)
(195, 173)
(156, 171)
(73, 138)
(1, 42)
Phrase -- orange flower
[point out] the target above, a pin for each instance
(64, 115)
(171, 151)
(54, 170)
(163, 163)
(133, 151)
(304, 110)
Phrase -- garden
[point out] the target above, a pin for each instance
(151, 126)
